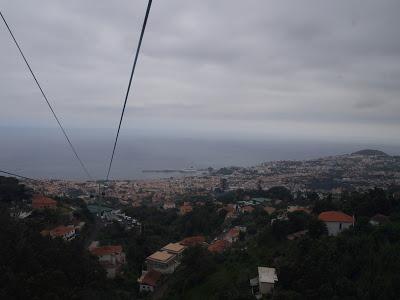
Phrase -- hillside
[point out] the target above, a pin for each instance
(370, 152)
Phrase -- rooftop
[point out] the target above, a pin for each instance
(39, 199)
(193, 241)
(267, 275)
(335, 216)
(106, 250)
(61, 230)
(174, 247)
(219, 246)
(150, 278)
(161, 256)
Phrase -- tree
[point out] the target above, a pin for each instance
(317, 228)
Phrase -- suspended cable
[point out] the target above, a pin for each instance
(129, 85)
(47, 101)
(16, 175)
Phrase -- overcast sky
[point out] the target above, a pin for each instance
(295, 69)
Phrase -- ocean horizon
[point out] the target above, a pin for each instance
(44, 154)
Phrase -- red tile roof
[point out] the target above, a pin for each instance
(232, 233)
(247, 208)
(61, 230)
(150, 278)
(106, 250)
(335, 216)
(40, 201)
(193, 241)
(219, 246)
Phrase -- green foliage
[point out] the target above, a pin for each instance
(34, 267)
(12, 191)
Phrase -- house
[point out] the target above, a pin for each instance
(296, 235)
(111, 258)
(169, 205)
(219, 246)
(42, 202)
(247, 209)
(294, 208)
(185, 209)
(149, 280)
(162, 261)
(266, 280)
(269, 209)
(65, 232)
(232, 235)
(174, 248)
(193, 241)
(336, 221)
(379, 219)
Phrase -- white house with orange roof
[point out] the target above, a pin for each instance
(112, 258)
(336, 221)
(65, 232)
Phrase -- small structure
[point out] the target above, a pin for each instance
(185, 209)
(162, 261)
(149, 281)
(247, 209)
(193, 241)
(65, 232)
(336, 221)
(169, 205)
(232, 235)
(379, 219)
(219, 246)
(265, 282)
(42, 202)
(296, 235)
(111, 258)
(174, 248)
(269, 209)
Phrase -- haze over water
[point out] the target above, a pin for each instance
(43, 153)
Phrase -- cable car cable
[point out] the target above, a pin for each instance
(129, 85)
(47, 101)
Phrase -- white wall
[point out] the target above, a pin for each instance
(334, 228)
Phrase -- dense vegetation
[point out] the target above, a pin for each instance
(36, 267)
(361, 263)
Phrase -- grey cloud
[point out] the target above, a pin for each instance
(288, 61)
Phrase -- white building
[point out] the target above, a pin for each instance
(264, 284)
(149, 280)
(111, 258)
(162, 261)
(336, 221)
(266, 278)
(65, 232)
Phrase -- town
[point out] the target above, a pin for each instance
(154, 232)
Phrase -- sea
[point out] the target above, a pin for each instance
(44, 154)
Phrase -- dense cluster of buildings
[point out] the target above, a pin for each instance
(329, 174)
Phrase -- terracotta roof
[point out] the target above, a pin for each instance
(335, 216)
(106, 250)
(162, 256)
(61, 230)
(219, 246)
(233, 232)
(42, 200)
(150, 278)
(174, 247)
(269, 209)
(193, 241)
(247, 208)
